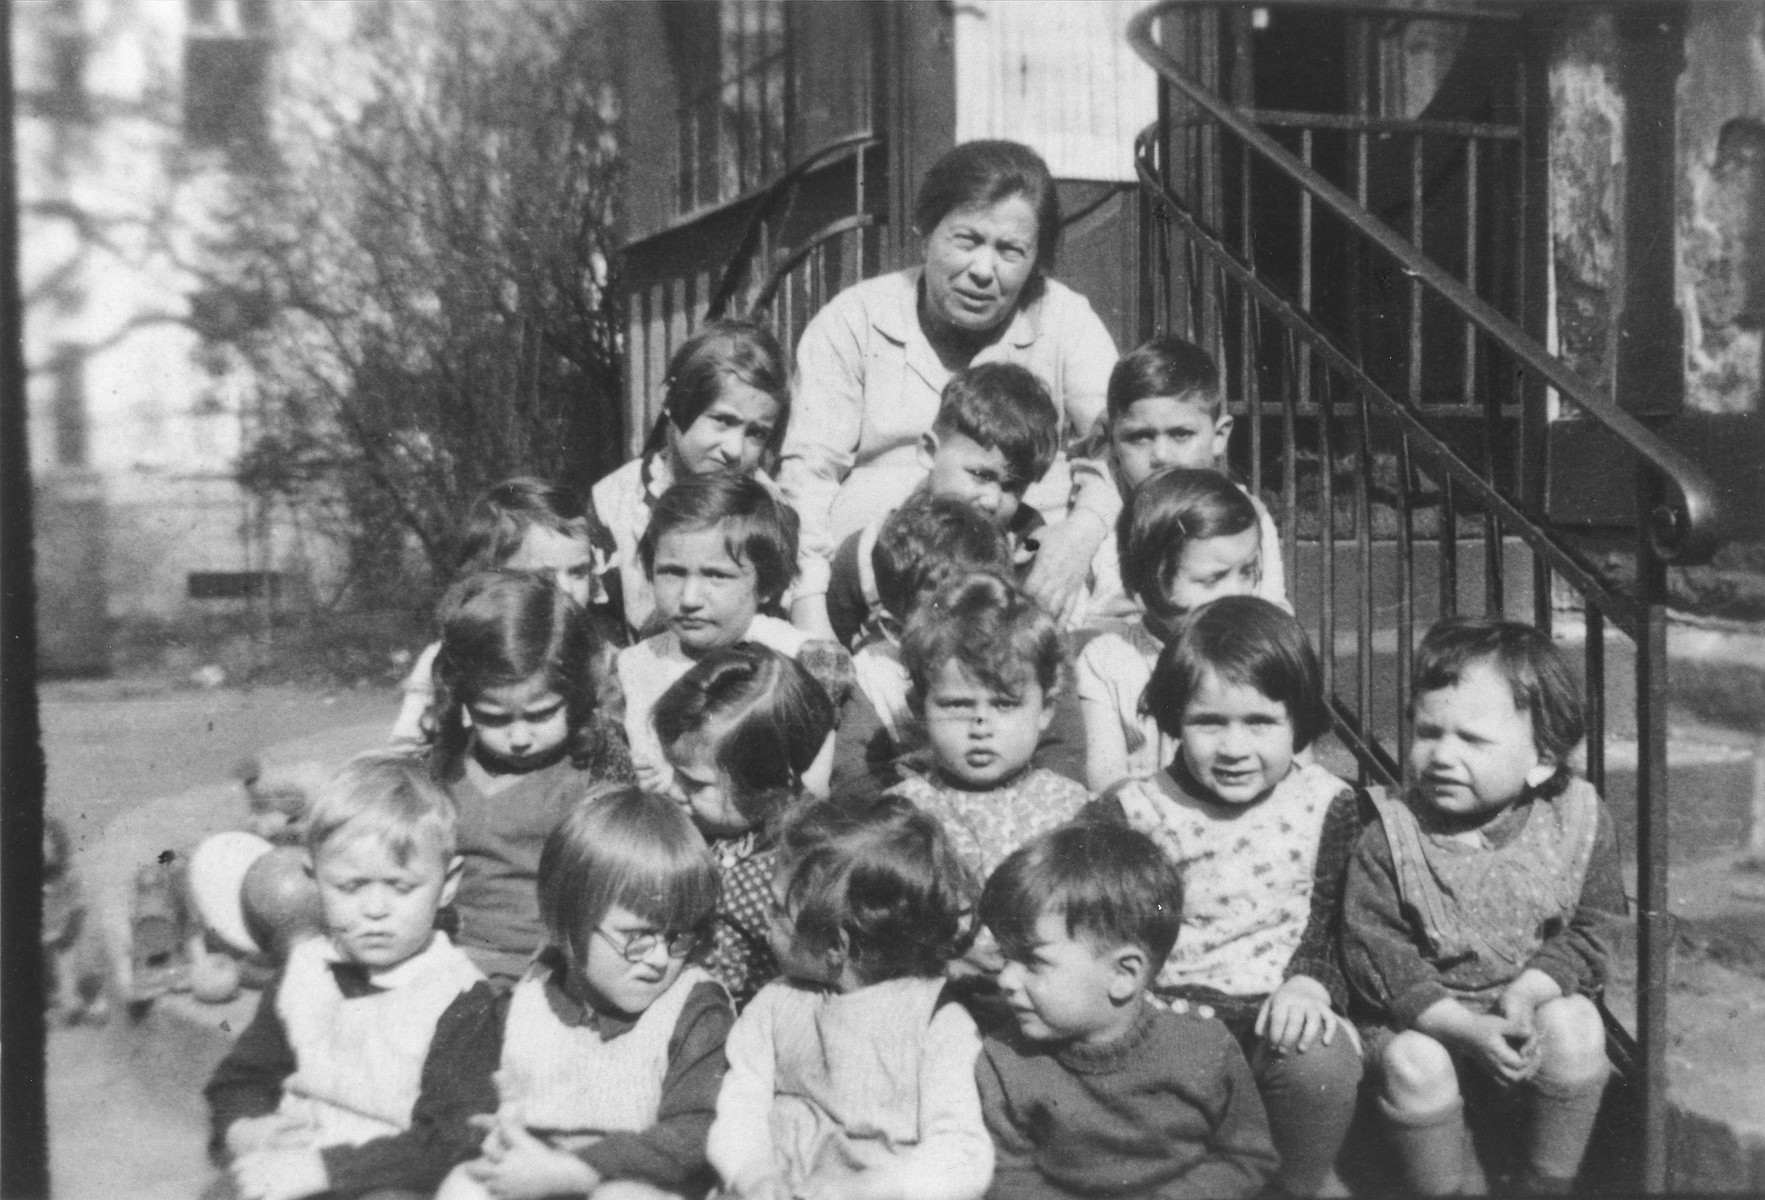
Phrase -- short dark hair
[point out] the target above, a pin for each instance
(759, 527)
(1003, 406)
(1167, 365)
(723, 352)
(1243, 640)
(1111, 883)
(499, 519)
(883, 874)
(620, 846)
(1166, 512)
(766, 716)
(926, 542)
(987, 624)
(985, 172)
(1532, 665)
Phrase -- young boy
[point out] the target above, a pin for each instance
(996, 433)
(316, 1095)
(1097, 1091)
(1166, 409)
(1473, 910)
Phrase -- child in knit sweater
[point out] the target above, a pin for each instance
(602, 1065)
(1262, 839)
(1472, 921)
(317, 1094)
(854, 1075)
(1093, 1090)
(740, 729)
(987, 665)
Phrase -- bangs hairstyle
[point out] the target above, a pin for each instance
(504, 627)
(1004, 638)
(722, 353)
(387, 796)
(625, 848)
(764, 715)
(1166, 512)
(883, 874)
(500, 519)
(1165, 366)
(980, 173)
(1540, 680)
(1002, 406)
(1112, 885)
(1243, 640)
(928, 541)
(758, 527)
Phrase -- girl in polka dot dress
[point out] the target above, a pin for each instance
(741, 729)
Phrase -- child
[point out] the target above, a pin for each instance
(1473, 905)
(317, 1094)
(854, 1076)
(602, 1065)
(986, 665)
(1186, 537)
(740, 729)
(1166, 409)
(996, 433)
(725, 404)
(1262, 841)
(720, 549)
(521, 524)
(518, 741)
(1097, 1091)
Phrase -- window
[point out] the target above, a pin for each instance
(226, 74)
(733, 132)
(68, 403)
(233, 585)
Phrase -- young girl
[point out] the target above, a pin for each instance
(725, 404)
(1166, 409)
(854, 1075)
(521, 524)
(1186, 537)
(720, 549)
(740, 730)
(1471, 924)
(518, 739)
(986, 664)
(602, 1065)
(1262, 842)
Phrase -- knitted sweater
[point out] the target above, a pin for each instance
(1170, 1110)
(877, 1083)
(986, 826)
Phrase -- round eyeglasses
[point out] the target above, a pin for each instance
(635, 947)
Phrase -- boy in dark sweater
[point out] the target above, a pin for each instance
(1097, 1092)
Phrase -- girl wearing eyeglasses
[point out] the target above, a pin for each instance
(597, 1074)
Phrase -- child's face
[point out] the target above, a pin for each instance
(707, 597)
(518, 726)
(704, 789)
(981, 737)
(1237, 742)
(1070, 988)
(378, 911)
(960, 468)
(1472, 752)
(567, 559)
(620, 970)
(730, 435)
(1214, 567)
(1164, 431)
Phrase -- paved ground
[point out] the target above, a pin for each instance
(126, 1117)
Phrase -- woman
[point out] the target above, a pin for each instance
(871, 366)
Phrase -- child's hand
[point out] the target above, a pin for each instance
(280, 1174)
(1498, 1045)
(1519, 1004)
(269, 1132)
(1296, 1015)
(525, 1168)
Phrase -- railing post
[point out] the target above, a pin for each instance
(1654, 934)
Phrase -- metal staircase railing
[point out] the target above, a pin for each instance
(1399, 398)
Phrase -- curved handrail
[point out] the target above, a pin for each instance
(737, 268)
(791, 259)
(1685, 527)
